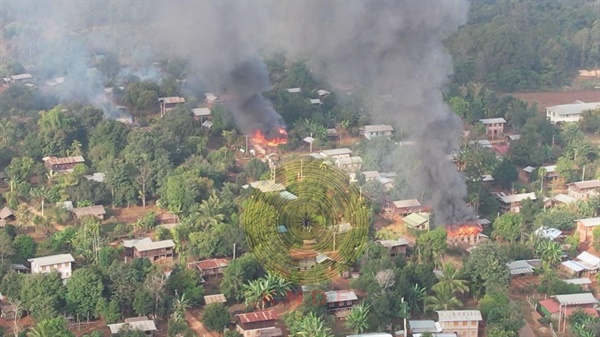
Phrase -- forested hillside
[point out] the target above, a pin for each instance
(523, 45)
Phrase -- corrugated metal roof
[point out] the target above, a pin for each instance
(574, 266)
(172, 100)
(315, 101)
(492, 120)
(21, 77)
(322, 92)
(201, 112)
(590, 261)
(340, 296)
(64, 160)
(406, 203)
(287, 195)
(378, 128)
(576, 299)
(146, 246)
(589, 222)
(582, 185)
(266, 186)
(336, 152)
(211, 264)
(349, 161)
(139, 325)
(459, 315)
(90, 210)
(6, 212)
(519, 267)
(52, 259)
(573, 109)
(218, 298)
(259, 316)
(415, 220)
(578, 281)
(370, 174)
(210, 97)
(417, 326)
(565, 199)
(293, 90)
(509, 199)
(133, 242)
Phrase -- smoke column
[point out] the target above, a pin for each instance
(389, 47)
(395, 47)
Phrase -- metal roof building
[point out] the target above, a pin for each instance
(576, 299)
(459, 315)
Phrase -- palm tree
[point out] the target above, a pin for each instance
(444, 299)
(180, 305)
(7, 132)
(265, 290)
(416, 294)
(542, 175)
(549, 251)
(312, 326)
(358, 318)
(209, 213)
(449, 277)
(404, 313)
(45, 329)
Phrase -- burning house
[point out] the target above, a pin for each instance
(465, 234)
(265, 144)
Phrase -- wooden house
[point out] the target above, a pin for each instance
(258, 324)
(583, 190)
(159, 251)
(585, 228)
(464, 323)
(97, 211)
(341, 299)
(62, 164)
(396, 247)
(135, 323)
(210, 267)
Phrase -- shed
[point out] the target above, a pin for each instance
(420, 326)
(96, 210)
(576, 299)
(7, 214)
(416, 221)
(218, 298)
(520, 267)
(141, 325)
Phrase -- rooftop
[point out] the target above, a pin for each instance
(584, 185)
(573, 266)
(6, 212)
(492, 120)
(146, 325)
(90, 210)
(144, 246)
(211, 264)
(393, 243)
(578, 281)
(97, 177)
(315, 101)
(210, 97)
(576, 299)
(406, 203)
(589, 222)
(417, 326)
(509, 199)
(379, 128)
(520, 267)
(336, 152)
(172, 100)
(350, 161)
(588, 260)
(565, 199)
(340, 296)
(64, 160)
(370, 174)
(548, 233)
(266, 186)
(131, 243)
(415, 220)
(218, 298)
(51, 260)
(573, 109)
(459, 315)
(21, 77)
(293, 90)
(322, 92)
(201, 112)
(259, 316)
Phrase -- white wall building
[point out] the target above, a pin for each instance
(61, 263)
(569, 112)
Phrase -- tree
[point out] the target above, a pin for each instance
(486, 268)
(505, 173)
(6, 245)
(11, 285)
(17, 308)
(240, 271)
(357, 319)
(54, 327)
(216, 317)
(186, 281)
(255, 169)
(265, 290)
(24, 246)
(143, 302)
(444, 299)
(508, 227)
(450, 277)
(431, 245)
(309, 325)
(43, 295)
(84, 290)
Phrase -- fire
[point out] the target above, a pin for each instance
(259, 138)
(463, 230)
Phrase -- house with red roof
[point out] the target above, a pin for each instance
(258, 324)
(210, 267)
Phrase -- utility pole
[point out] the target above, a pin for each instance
(234, 251)
(583, 174)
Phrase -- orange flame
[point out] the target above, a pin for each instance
(463, 230)
(259, 138)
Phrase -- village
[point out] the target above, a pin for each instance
(135, 201)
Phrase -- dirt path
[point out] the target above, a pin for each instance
(196, 325)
